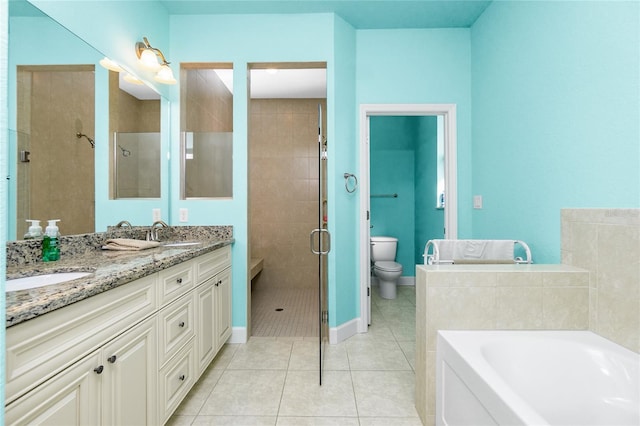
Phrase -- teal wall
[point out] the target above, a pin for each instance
(403, 160)
(429, 219)
(241, 40)
(556, 116)
(422, 66)
(4, 119)
(344, 207)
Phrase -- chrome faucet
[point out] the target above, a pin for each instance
(123, 223)
(152, 233)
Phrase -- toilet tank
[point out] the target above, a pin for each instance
(383, 248)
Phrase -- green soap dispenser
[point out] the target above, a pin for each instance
(50, 242)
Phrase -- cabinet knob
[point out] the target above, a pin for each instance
(181, 324)
(99, 369)
(181, 377)
(218, 283)
(112, 359)
(179, 280)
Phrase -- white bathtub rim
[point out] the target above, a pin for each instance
(504, 405)
(508, 405)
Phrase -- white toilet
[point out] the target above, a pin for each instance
(383, 256)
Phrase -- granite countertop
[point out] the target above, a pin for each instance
(110, 269)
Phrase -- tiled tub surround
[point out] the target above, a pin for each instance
(607, 243)
(491, 297)
(110, 268)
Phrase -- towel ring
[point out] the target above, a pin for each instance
(347, 177)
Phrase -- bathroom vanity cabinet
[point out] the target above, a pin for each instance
(125, 356)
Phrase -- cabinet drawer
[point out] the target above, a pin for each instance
(176, 327)
(39, 348)
(210, 264)
(175, 380)
(175, 281)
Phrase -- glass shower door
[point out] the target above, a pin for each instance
(323, 245)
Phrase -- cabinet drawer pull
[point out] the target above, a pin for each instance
(179, 280)
(112, 359)
(181, 324)
(181, 377)
(99, 369)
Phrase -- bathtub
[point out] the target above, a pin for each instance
(566, 378)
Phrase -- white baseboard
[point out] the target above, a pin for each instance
(238, 335)
(407, 281)
(401, 281)
(343, 331)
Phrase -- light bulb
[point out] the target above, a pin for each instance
(165, 75)
(149, 60)
(110, 65)
(131, 79)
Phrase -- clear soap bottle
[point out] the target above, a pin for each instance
(35, 230)
(51, 242)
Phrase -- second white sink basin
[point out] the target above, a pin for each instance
(43, 280)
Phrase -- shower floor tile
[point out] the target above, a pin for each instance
(284, 312)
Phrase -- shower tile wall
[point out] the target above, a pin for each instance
(206, 107)
(283, 151)
(129, 114)
(54, 103)
(607, 243)
(207, 103)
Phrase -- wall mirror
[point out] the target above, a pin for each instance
(56, 158)
(206, 130)
(134, 133)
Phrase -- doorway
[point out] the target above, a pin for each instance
(285, 199)
(447, 114)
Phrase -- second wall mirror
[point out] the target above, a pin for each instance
(206, 130)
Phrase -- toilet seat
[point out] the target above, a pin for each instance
(388, 266)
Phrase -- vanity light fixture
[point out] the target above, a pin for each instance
(110, 65)
(132, 79)
(149, 56)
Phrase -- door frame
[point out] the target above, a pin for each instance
(448, 112)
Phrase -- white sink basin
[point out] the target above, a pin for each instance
(43, 280)
(182, 244)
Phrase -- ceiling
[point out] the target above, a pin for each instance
(361, 14)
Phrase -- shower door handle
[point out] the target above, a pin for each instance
(320, 232)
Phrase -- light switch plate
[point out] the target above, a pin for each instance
(156, 214)
(477, 201)
(184, 215)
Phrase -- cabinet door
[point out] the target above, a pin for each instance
(130, 377)
(206, 343)
(223, 307)
(69, 398)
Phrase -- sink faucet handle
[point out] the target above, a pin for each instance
(153, 230)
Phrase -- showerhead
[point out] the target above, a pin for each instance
(80, 135)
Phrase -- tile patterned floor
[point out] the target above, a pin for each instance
(290, 312)
(368, 381)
